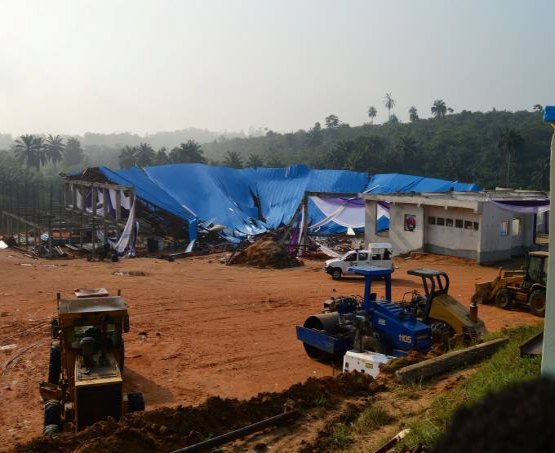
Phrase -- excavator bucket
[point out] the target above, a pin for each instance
(485, 291)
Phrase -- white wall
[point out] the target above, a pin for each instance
(405, 241)
(496, 247)
(446, 239)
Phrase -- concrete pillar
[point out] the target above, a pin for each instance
(370, 219)
(548, 359)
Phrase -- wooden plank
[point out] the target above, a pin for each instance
(449, 361)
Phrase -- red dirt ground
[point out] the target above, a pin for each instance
(211, 329)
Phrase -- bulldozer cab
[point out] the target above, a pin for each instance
(435, 284)
(537, 267)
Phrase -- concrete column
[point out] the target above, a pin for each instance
(548, 359)
(370, 219)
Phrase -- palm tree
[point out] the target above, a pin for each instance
(540, 176)
(233, 160)
(144, 155)
(509, 141)
(332, 121)
(538, 108)
(128, 156)
(389, 103)
(189, 153)
(372, 112)
(413, 114)
(54, 149)
(255, 160)
(30, 149)
(450, 110)
(408, 150)
(439, 108)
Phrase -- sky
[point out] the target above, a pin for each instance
(144, 66)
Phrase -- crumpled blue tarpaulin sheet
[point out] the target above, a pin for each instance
(254, 200)
(400, 183)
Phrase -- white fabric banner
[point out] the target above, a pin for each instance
(346, 215)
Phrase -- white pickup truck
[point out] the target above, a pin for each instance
(377, 254)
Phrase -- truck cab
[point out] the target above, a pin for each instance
(377, 254)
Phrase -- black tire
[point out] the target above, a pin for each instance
(536, 302)
(135, 402)
(504, 298)
(55, 363)
(52, 417)
(336, 273)
(442, 333)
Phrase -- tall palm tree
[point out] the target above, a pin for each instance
(389, 103)
(255, 160)
(509, 141)
(233, 160)
(145, 155)
(30, 149)
(128, 156)
(372, 112)
(540, 176)
(413, 114)
(439, 109)
(54, 149)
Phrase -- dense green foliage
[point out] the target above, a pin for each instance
(468, 146)
(495, 148)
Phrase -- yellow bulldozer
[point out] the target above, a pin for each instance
(518, 288)
(85, 374)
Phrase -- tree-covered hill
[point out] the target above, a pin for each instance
(468, 146)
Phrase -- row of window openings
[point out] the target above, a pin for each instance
(457, 223)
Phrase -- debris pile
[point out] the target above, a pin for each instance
(266, 252)
(168, 429)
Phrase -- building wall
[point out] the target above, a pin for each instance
(498, 246)
(453, 231)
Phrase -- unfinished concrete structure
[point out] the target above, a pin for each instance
(484, 226)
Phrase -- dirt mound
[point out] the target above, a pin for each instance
(266, 252)
(167, 429)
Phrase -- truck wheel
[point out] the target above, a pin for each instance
(536, 302)
(135, 402)
(55, 363)
(503, 298)
(336, 273)
(52, 417)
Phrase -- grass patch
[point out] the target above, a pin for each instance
(372, 417)
(504, 368)
(340, 436)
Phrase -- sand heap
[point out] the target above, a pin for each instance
(167, 429)
(266, 252)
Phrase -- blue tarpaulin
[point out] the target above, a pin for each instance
(254, 200)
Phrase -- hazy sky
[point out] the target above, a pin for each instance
(143, 66)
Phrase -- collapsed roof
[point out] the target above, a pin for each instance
(253, 200)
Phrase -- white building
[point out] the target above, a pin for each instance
(484, 226)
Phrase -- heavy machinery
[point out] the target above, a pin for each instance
(518, 288)
(367, 324)
(85, 382)
(390, 328)
(446, 316)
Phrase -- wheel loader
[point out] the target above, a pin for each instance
(518, 288)
(85, 374)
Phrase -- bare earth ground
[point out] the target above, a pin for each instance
(210, 329)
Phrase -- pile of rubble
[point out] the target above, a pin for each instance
(265, 252)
